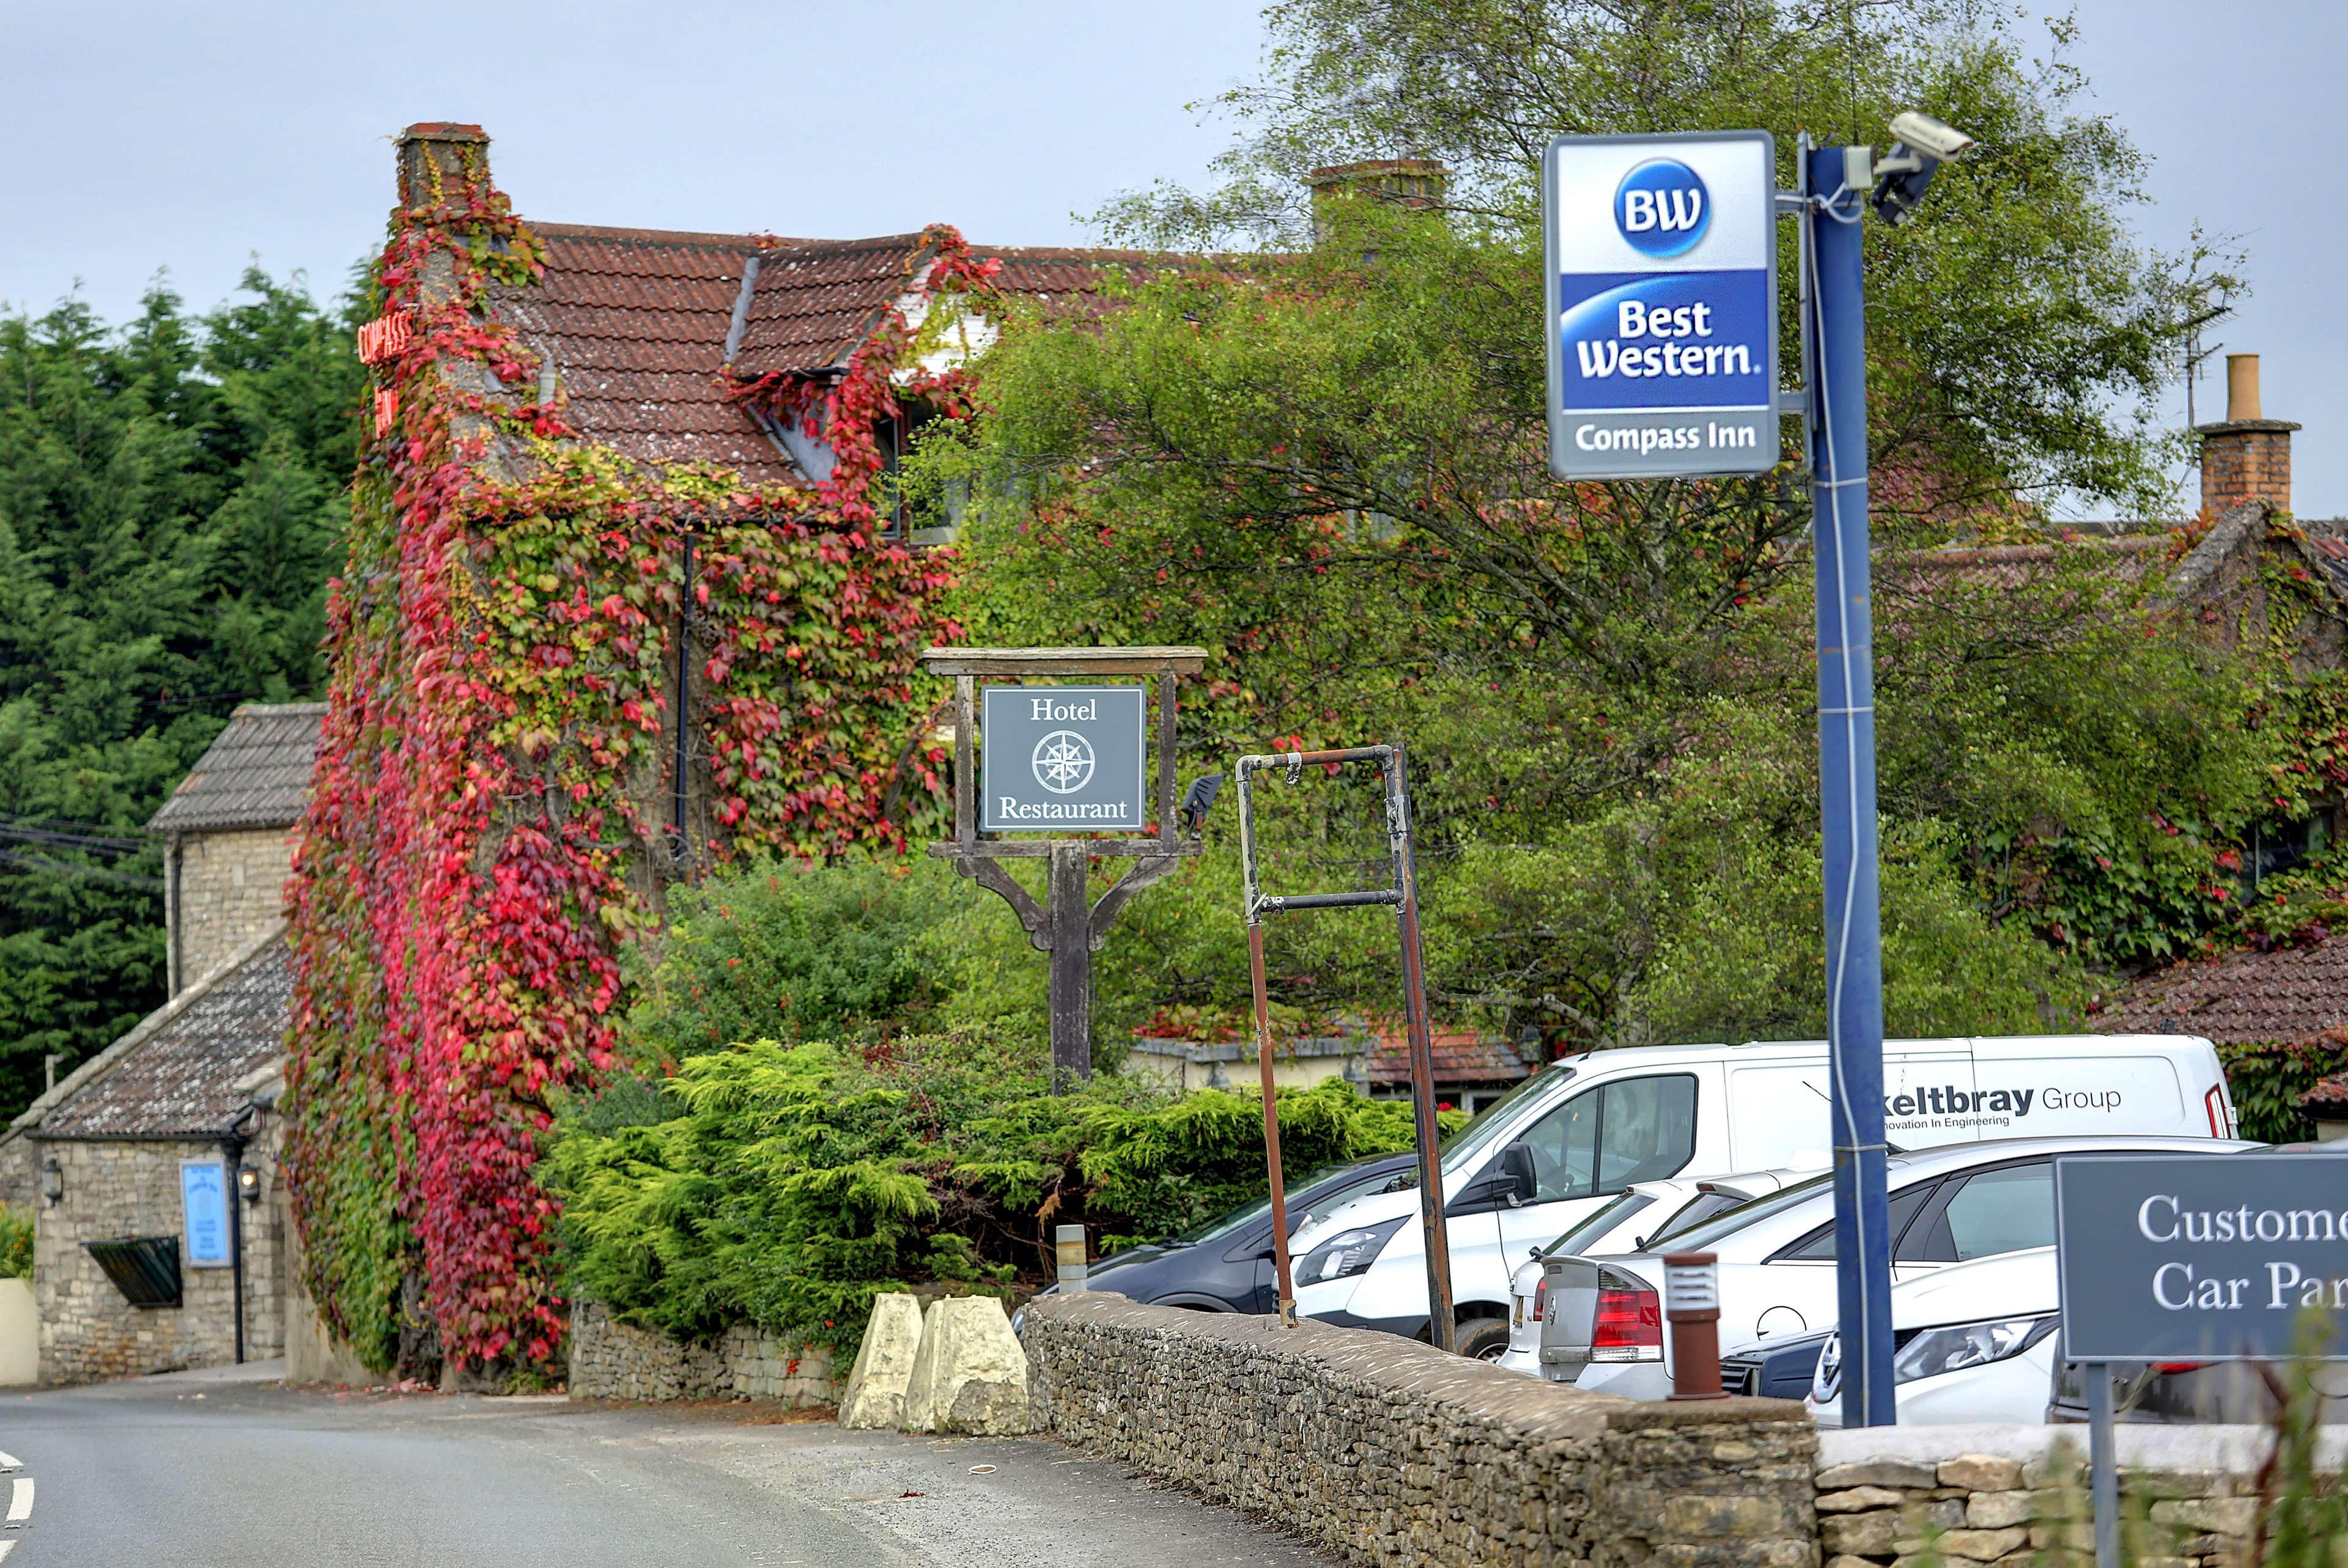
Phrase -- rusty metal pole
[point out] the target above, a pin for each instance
(1440, 1327)
(1287, 1286)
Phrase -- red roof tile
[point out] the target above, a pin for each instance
(1461, 1058)
(634, 325)
(2290, 995)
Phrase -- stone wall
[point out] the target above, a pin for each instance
(119, 1188)
(2018, 1495)
(1388, 1451)
(228, 889)
(611, 1360)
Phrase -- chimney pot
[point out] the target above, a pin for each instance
(2242, 387)
(2248, 456)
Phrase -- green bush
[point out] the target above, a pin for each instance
(787, 1185)
(15, 1244)
(791, 952)
(2267, 1082)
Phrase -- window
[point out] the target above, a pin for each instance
(1591, 1231)
(1694, 1213)
(1601, 1140)
(1818, 1247)
(1990, 1212)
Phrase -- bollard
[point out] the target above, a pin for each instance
(1691, 1306)
(1069, 1242)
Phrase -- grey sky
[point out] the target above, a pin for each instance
(145, 134)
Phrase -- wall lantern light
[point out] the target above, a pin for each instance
(248, 1181)
(53, 1180)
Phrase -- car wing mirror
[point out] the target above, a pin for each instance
(1520, 1179)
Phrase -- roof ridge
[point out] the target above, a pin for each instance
(651, 236)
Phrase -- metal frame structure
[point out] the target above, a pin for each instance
(1067, 924)
(1404, 896)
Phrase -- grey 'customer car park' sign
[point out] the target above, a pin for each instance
(1062, 757)
(2200, 1257)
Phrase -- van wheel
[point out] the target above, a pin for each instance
(1482, 1338)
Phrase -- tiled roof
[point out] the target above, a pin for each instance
(256, 774)
(635, 324)
(182, 1080)
(814, 303)
(1462, 1057)
(2290, 996)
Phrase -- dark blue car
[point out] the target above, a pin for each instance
(1225, 1265)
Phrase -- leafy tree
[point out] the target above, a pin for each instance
(171, 508)
(1323, 455)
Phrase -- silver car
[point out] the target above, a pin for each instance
(1777, 1254)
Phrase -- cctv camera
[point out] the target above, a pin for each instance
(1903, 173)
(1934, 138)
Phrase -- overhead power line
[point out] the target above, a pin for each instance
(29, 862)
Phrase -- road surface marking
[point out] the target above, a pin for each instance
(5, 1548)
(20, 1499)
(8, 1461)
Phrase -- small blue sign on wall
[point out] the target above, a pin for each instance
(203, 1200)
(1662, 304)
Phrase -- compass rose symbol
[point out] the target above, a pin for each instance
(1063, 761)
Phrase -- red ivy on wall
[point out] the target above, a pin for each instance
(488, 795)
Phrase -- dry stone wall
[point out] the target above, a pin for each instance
(1901, 1498)
(613, 1361)
(1388, 1451)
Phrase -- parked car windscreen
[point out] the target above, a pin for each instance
(1728, 1224)
(1694, 1213)
(1595, 1228)
(1461, 1148)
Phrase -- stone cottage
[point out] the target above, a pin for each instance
(152, 1169)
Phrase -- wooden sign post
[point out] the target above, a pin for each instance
(1064, 756)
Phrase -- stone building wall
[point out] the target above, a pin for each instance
(611, 1360)
(229, 887)
(1388, 1451)
(119, 1188)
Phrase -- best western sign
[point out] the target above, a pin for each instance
(1061, 757)
(1663, 314)
(2200, 1257)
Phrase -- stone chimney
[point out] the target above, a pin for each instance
(1417, 183)
(2247, 457)
(441, 164)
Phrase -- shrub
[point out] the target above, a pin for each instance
(2267, 1083)
(15, 1244)
(786, 1185)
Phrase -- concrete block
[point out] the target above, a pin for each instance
(1981, 1472)
(875, 1395)
(970, 1375)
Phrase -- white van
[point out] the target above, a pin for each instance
(1581, 1130)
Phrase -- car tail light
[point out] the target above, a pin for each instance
(1629, 1325)
(2170, 1369)
(1541, 1298)
(2215, 1101)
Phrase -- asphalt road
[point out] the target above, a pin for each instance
(203, 1469)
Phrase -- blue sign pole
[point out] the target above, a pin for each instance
(1846, 778)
